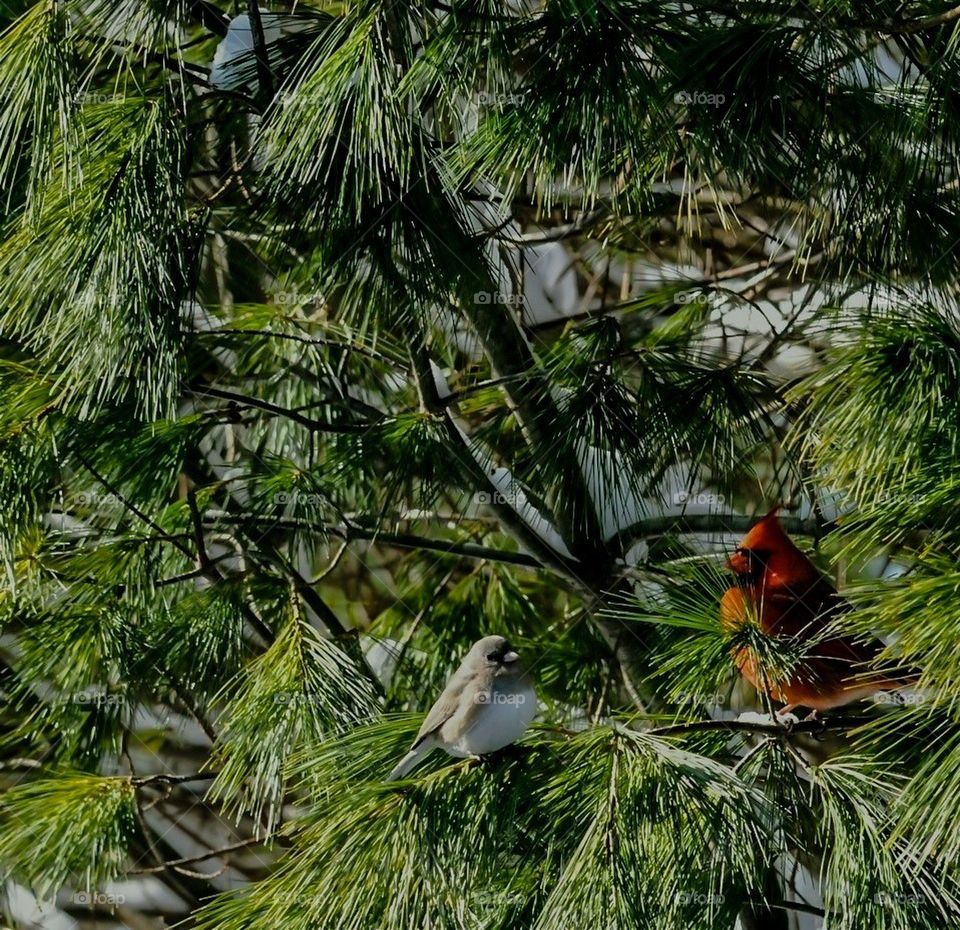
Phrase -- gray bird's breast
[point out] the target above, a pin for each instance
(501, 717)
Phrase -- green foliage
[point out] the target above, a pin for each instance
(39, 88)
(881, 411)
(285, 426)
(108, 245)
(594, 808)
(70, 826)
(868, 875)
(301, 688)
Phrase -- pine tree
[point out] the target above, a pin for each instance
(336, 336)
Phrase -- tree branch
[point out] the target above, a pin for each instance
(187, 860)
(923, 24)
(348, 638)
(210, 571)
(264, 74)
(210, 16)
(243, 400)
(709, 523)
(350, 532)
(165, 778)
(747, 726)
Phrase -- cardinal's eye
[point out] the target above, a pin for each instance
(491, 656)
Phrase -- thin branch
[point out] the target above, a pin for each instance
(800, 906)
(210, 571)
(304, 340)
(193, 573)
(202, 555)
(917, 25)
(187, 860)
(738, 271)
(132, 508)
(186, 698)
(348, 638)
(244, 400)
(466, 549)
(167, 778)
(351, 531)
(708, 523)
(748, 726)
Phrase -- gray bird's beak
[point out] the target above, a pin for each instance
(510, 657)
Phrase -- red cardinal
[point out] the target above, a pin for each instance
(780, 589)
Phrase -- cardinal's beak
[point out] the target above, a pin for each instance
(510, 657)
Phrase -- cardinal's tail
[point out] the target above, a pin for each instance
(408, 762)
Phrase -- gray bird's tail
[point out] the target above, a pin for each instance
(408, 762)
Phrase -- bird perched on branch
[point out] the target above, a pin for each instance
(487, 704)
(781, 591)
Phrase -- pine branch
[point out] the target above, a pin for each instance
(512, 521)
(210, 571)
(164, 778)
(624, 641)
(348, 639)
(187, 860)
(923, 24)
(746, 726)
(264, 71)
(734, 524)
(350, 532)
(209, 15)
(243, 400)
(304, 340)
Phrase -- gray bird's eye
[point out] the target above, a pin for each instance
(491, 656)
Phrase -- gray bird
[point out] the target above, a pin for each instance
(486, 705)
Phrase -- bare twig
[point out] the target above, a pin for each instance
(166, 778)
(244, 400)
(749, 726)
(186, 860)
